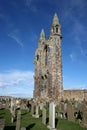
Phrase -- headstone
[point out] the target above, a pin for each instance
(70, 112)
(65, 106)
(44, 116)
(18, 120)
(12, 109)
(13, 115)
(52, 116)
(32, 109)
(84, 111)
(23, 128)
(2, 124)
(12, 119)
(41, 106)
(37, 112)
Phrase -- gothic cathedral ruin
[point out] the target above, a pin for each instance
(48, 64)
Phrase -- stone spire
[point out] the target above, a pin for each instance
(42, 34)
(56, 27)
(55, 20)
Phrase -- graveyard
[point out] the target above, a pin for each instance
(39, 117)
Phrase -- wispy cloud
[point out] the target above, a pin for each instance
(20, 93)
(28, 2)
(30, 5)
(17, 83)
(72, 56)
(4, 17)
(14, 36)
(79, 87)
(16, 77)
(78, 30)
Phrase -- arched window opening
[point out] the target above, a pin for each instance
(56, 29)
(45, 76)
(37, 57)
(46, 56)
(42, 77)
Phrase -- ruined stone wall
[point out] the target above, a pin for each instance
(48, 64)
(78, 95)
(48, 68)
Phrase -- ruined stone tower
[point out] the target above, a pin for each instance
(48, 64)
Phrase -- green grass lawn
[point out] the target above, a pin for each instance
(69, 125)
(36, 124)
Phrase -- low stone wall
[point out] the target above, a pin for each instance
(75, 94)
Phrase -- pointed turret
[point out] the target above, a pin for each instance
(42, 34)
(42, 38)
(55, 20)
(56, 28)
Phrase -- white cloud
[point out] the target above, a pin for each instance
(21, 93)
(16, 77)
(79, 87)
(17, 83)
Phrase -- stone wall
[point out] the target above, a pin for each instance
(78, 95)
(48, 64)
(48, 68)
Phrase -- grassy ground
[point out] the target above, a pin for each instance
(36, 124)
(68, 125)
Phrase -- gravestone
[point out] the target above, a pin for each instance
(44, 116)
(13, 114)
(23, 128)
(41, 106)
(12, 110)
(32, 109)
(52, 116)
(70, 112)
(2, 124)
(65, 106)
(18, 120)
(84, 111)
(37, 112)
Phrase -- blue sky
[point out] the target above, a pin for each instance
(20, 24)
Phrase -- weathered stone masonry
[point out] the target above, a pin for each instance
(48, 68)
(48, 64)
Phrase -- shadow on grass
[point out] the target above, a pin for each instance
(9, 128)
(24, 113)
(2, 109)
(2, 113)
(56, 122)
(41, 115)
(1, 117)
(47, 120)
(30, 126)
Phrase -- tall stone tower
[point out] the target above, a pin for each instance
(48, 65)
